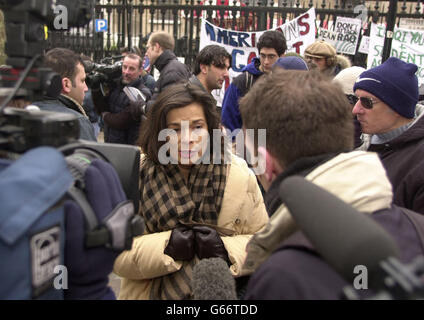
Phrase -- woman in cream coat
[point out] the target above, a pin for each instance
(193, 209)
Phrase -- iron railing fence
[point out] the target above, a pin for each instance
(130, 22)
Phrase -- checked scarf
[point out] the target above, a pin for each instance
(167, 201)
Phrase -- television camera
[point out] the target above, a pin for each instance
(99, 74)
(25, 77)
(24, 24)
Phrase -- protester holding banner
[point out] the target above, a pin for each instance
(242, 45)
(393, 125)
(271, 45)
(323, 56)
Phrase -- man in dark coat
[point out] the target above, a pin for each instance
(70, 67)
(311, 135)
(121, 117)
(159, 50)
(394, 127)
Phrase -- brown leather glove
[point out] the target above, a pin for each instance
(208, 244)
(181, 244)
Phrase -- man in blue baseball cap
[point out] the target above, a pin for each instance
(391, 120)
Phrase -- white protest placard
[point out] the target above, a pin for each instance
(364, 45)
(350, 28)
(345, 35)
(299, 33)
(411, 23)
(407, 45)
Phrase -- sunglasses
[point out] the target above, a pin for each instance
(367, 103)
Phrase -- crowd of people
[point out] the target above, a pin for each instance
(355, 133)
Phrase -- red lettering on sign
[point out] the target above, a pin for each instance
(304, 24)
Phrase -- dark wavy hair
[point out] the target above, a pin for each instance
(175, 96)
(64, 62)
(211, 55)
(273, 39)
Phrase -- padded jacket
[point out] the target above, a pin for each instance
(242, 211)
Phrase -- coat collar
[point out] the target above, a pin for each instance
(300, 167)
(358, 178)
(414, 132)
(164, 59)
(72, 104)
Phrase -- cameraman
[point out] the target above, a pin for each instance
(70, 67)
(148, 79)
(121, 117)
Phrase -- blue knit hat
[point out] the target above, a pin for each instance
(291, 63)
(393, 82)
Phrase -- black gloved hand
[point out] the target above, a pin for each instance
(181, 244)
(208, 243)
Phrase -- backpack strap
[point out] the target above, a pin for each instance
(249, 81)
(112, 232)
(79, 197)
(77, 164)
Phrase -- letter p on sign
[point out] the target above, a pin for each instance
(101, 25)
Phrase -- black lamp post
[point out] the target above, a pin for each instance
(391, 19)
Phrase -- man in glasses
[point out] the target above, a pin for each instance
(271, 45)
(393, 127)
(309, 133)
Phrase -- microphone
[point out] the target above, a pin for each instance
(212, 280)
(344, 236)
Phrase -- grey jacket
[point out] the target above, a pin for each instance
(65, 105)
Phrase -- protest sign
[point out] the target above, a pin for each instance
(299, 33)
(365, 44)
(411, 23)
(407, 45)
(345, 35)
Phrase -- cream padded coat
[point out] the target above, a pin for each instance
(243, 211)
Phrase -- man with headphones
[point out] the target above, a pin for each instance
(323, 56)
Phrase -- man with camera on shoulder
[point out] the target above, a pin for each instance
(122, 116)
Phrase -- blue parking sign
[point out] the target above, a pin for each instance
(101, 25)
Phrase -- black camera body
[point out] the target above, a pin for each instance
(24, 24)
(21, 130)
(102, 73)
